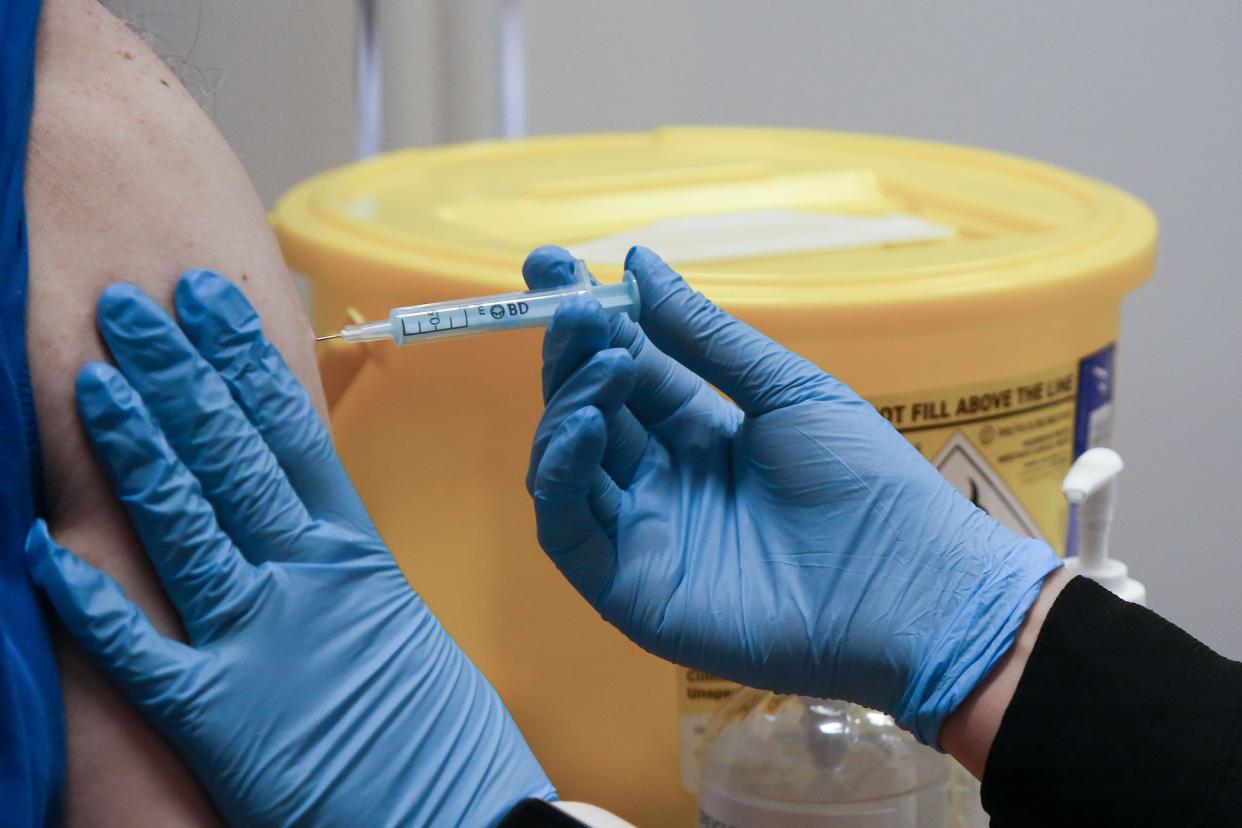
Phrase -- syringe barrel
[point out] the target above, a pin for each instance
(446, 320)
(621, 297)
(367, 331)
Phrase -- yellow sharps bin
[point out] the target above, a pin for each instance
(973, 297)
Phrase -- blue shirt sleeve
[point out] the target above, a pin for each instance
(32, 740)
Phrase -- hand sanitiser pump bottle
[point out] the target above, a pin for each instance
(1091, 488)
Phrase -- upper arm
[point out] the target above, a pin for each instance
(126, 179)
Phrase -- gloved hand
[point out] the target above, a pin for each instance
(789, 540)
(316, 687)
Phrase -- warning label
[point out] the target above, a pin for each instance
(1005, 445)
(967, 469)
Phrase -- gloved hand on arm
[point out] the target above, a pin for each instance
(316, 688)
(790, 539)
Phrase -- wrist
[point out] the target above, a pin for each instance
(985, 592)
(968, 732)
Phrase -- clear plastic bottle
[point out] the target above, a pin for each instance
(770, 761)
(965, 805)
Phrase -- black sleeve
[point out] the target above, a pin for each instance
(535, 813)
(1120, 718)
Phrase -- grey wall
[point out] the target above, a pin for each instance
(1144, 94)
(276, 75)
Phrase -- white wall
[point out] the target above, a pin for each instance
(1138, 92)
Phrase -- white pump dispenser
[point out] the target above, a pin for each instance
(1091, 487)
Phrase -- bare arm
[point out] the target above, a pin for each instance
(127, 179)
(968, 733)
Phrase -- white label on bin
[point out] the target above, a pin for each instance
(761, 233)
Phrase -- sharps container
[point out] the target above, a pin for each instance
(973, 297)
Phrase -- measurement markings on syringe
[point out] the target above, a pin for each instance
(430, 322)
(435, 322)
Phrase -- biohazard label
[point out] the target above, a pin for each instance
(1005, 445)
(968, 470)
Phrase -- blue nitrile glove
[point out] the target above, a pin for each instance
(316, 687)
(793, 541)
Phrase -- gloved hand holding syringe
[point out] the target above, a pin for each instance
(486, 314)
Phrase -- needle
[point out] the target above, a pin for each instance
(329, 336)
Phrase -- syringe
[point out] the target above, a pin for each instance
(485, 314)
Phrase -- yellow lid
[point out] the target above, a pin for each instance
(803, 219)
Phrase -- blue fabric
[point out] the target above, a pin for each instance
(32, 742)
